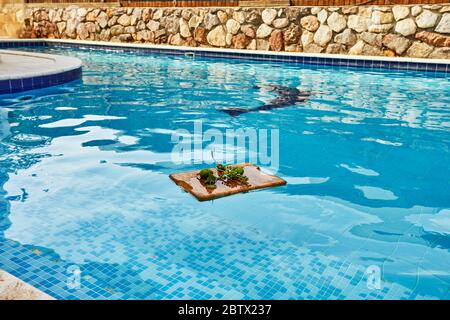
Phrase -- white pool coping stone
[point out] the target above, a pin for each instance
(12, 288)
(237, 51)
(22, 64)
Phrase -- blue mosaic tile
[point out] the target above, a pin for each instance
(20, 85)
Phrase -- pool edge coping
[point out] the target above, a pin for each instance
(13, 288)
(318, 59)
(63, 70)
(436, 67)
(62, 64)
(234, 51)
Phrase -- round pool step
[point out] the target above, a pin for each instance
(22, 71)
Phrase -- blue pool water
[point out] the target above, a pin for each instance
(84, 173)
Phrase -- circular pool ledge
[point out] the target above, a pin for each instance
(22, 71)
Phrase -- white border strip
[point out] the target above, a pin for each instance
(236, 51)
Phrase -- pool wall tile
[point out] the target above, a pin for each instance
(432, 68)
(38, 82)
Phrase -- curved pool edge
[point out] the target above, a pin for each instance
(22, 71)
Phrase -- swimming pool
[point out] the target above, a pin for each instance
(84, 175)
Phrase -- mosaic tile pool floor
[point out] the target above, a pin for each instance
(84, 173)
(192, 266)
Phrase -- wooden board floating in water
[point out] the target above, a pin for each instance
(190, 182)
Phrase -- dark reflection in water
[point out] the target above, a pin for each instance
(285, 97)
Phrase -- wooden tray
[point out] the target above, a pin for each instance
(190, 182)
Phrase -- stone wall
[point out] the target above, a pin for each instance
(414, 31)
(11, 21)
